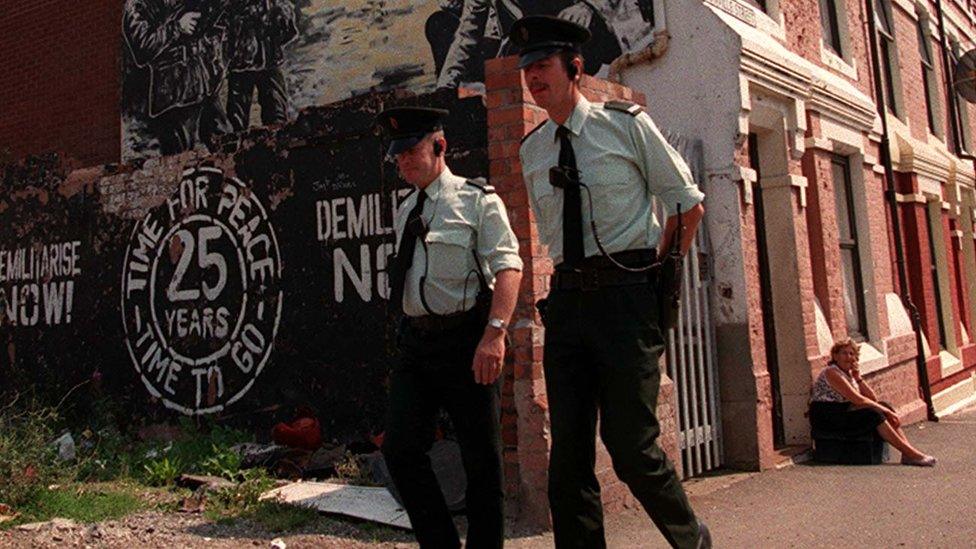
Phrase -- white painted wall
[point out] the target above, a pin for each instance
(693, 90)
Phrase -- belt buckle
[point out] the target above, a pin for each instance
(589, 280)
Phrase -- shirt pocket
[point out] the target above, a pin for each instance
(449, 253)
(616, 187)
(611, 175)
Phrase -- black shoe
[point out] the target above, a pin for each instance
(704, 536)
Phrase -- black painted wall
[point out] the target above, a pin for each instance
(328, 195)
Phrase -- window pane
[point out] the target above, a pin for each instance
(929, 98)
(889, 79)
(853, 295)
(924, 48)
(839, 175)
(881, 14)
(829, 26)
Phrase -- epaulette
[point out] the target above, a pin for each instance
(526, 136)
(632, 109)
(482, 185)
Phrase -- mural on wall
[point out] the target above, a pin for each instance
(236, 285)
(37, 283)
(192, 68)
(201, 298)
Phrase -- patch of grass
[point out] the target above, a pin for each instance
(279, 517)
(80, 503)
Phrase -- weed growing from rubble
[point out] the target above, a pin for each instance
(28, 461)
(161, 472)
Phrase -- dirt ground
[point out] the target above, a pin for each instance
(158, 529)
(892, 506)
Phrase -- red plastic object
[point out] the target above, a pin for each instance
(304, 432)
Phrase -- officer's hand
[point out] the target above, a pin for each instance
(489, 357)
(188, 23)
(578, 13)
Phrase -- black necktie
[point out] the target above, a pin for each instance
(572, 203)
(404, 257)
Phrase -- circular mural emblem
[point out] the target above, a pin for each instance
(201, 297)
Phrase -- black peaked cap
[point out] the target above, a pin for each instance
(406, 126)
(539, 36)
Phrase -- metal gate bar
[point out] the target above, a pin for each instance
(690, 349)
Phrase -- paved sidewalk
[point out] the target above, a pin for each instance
(810, 505)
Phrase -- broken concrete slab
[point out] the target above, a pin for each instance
(363, 502)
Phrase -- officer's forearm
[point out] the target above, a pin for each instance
(506, 294)
(690, 219)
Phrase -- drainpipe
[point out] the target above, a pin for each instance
(892, 196)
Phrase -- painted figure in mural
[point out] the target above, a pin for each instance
(483, 26)
(455, 278)
(462, 34)
(180, 42)
(602, 163)
(257, 32)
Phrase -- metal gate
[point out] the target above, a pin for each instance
(690, 351)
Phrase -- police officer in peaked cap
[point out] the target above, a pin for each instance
(455, 278)
(591, 171)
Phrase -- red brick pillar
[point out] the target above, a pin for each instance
(525, 421)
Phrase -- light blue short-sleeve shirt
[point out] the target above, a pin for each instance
(467, 231)
(623, 162)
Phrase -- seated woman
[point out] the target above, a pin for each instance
(843, 402)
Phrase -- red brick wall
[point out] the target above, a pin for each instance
(61, 79)
(880, 235)
(919, 259)
(804, 36)
(912, 87)
(802, 23)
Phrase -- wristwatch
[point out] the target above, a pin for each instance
(497, 323)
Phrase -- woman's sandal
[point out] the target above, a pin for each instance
(924, 461)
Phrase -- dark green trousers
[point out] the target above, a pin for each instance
(434, 372)
(601, 355)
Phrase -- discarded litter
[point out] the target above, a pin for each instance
(66, 447)
(364, 502)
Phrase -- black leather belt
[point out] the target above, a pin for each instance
(599, 272)
(436, 323)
